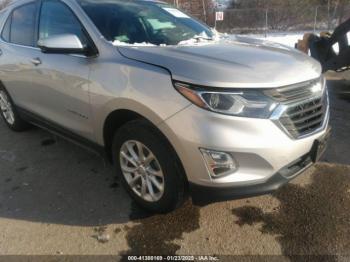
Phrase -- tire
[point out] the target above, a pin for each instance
(141, 134)
(10, 114)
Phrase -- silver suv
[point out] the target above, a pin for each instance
(178, 108)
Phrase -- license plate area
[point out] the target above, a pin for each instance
(320, 146)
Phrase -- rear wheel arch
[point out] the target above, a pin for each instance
(3, 86)
(16, 123)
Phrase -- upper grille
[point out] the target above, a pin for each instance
(297, 92)
(305, 108)
(305, 118)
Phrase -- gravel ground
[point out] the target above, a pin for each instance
(56, 198)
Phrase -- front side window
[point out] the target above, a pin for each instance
(57, 19)
(143, 22)
(22, 26)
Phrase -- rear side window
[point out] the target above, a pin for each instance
(57, 19)
(22, 26)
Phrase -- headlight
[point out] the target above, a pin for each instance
(243, 103)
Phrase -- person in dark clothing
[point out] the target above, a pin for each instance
(321, 48)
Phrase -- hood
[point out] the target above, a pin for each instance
(240, 62)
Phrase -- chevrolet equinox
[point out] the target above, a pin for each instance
(180, 109)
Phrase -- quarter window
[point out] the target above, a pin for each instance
(20, 26)
(6, 31)
(57, 19)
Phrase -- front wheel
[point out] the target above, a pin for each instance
(148, 166)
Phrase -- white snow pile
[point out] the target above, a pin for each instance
(203, 39)
(284, 39)
(197, 40)
(120, 43)
(287, 39)
(290, 39)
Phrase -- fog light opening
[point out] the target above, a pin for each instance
(219, 164)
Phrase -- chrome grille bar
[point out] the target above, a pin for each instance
(307, 112)
(290, 94)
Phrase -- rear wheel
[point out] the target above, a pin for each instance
(148, 166)
(10, 114)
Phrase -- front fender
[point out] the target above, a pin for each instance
(141, 88)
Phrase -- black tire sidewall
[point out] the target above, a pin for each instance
(19, 124)
(173, 179)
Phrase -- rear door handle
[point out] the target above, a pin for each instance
(36, 61)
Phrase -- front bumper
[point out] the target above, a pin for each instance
(203, 195)
(259, 146)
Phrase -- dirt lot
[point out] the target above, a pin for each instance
(56, 198)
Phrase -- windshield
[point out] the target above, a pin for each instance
(132, 22)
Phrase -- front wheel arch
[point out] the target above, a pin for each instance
(119, 118)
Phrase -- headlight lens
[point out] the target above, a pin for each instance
(246, 103)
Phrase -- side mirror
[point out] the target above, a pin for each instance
(62, 44)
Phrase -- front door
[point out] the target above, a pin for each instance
(61, 81)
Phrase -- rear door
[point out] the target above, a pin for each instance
(17, 47)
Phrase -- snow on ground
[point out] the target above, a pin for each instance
(289, 39)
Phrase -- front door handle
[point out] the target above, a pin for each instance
(36, 61)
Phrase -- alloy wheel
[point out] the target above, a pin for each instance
(6, 108)
(142, 171)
